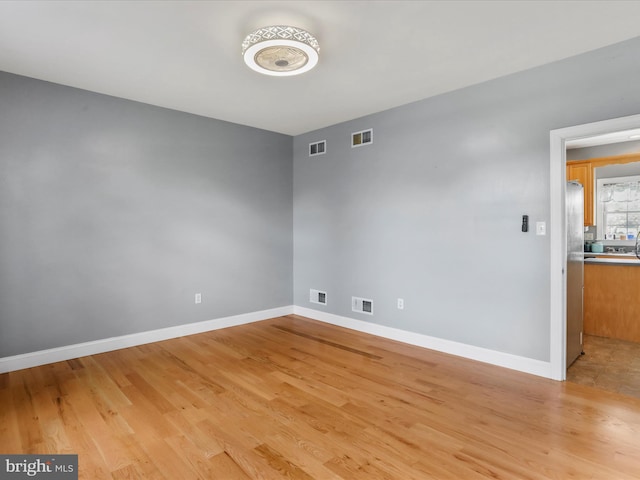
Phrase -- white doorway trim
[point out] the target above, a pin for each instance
(558, 235)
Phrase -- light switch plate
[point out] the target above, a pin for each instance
(541, 228)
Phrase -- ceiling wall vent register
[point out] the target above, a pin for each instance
(365, 137)
(317, 148)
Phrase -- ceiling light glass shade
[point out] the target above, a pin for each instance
(280, 50)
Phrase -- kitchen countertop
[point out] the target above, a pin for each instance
(612, 254)
(632, 260)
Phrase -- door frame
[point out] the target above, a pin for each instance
(558, 231)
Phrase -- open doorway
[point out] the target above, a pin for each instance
(611, 341)
(558, 145)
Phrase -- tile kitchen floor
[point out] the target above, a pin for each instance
(608, 364)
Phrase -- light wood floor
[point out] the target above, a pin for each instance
(294, 398)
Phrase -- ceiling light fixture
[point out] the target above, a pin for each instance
(634, 137)
(280, 50)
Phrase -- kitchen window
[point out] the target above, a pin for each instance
(618, 208)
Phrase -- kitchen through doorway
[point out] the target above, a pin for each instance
(607, 363)
(558, 233)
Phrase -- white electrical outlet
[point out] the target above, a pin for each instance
(198, 298)
(588, 236)
(401, 304)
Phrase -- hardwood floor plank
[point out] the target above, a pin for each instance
(294, 398)
(117, 367)
(107, 441)
(196, 457)
(144, 466)
(170, 464)
(327, 342)
(29, 429)
(317, 389)
(239, 447)
(53, 430)
(310, 438)
(187, 428)
(153, 396)
(130, 472)
(4, 381)
(143, 417)
(226, 468)
(80, 439)
(10, 439)
(348, 468)
(284, 466)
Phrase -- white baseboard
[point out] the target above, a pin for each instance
(43, 357)
(513, 362)
(34, 359)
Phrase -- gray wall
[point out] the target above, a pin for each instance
(620, 170)
(431, 211)
(114, 213)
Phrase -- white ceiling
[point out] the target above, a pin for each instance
(185, 55)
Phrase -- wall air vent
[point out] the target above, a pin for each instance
(365, 137)
(362, 305)
(317, 148)
(317, 296)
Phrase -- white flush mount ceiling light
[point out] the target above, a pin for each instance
(280, 50)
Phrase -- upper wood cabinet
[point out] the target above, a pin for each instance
(582, 172)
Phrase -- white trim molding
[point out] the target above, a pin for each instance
(557, 229)
(513, 362)
(43, 357)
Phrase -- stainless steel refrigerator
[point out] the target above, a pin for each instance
(575, 269)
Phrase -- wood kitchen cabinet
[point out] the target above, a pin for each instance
(582, 171)
(611, 301)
